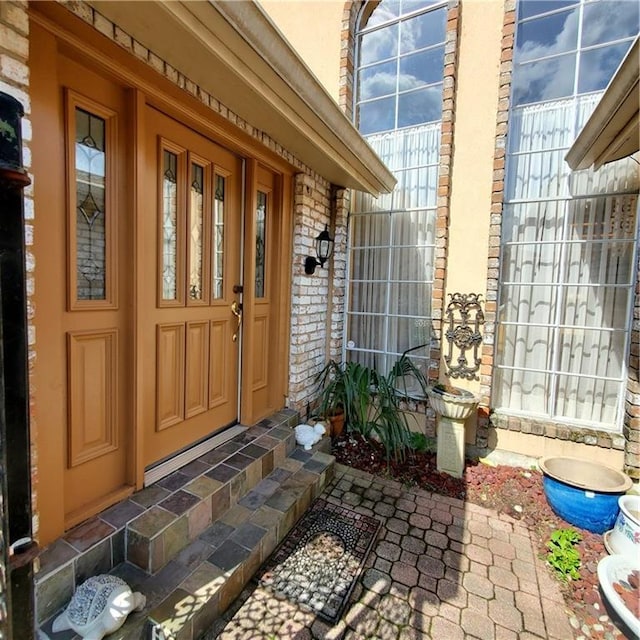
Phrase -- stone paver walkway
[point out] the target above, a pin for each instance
(441, 568)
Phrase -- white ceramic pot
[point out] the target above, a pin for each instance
(624, 538)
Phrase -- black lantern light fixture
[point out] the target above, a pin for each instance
(324, 249)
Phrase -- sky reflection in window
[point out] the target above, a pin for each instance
(424, 105)
(398, 62)
(421, 68)
(606, 21)
(597, 67)
(546, 52)
(546, 36)
(423, 31)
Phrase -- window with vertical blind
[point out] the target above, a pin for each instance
(398, 108)
(569, 241)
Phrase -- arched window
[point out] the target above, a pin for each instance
(400, 49)
(568, 245)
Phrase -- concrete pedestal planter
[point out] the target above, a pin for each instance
(452, 406)
(452, 402)
(582, 492)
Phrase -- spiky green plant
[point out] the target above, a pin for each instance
(371, 401)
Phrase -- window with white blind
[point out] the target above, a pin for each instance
(398, 108)
(569, 241)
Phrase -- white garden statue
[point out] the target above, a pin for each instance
(99, 606)
(307, 436)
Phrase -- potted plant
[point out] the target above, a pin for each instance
(345, 391)
(370, 402)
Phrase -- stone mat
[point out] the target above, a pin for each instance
(318, 563)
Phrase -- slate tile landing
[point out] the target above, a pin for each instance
(191, 541)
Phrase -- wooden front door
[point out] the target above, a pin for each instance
(83, 296)
(192, 304)
(145, 230)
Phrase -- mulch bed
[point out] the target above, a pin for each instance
(514, 491)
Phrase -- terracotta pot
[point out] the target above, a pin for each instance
(337, 424)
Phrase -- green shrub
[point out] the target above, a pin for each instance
(371, 401)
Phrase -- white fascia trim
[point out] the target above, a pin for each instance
(235, 52)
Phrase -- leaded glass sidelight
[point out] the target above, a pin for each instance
(169, 226)
(90, 181)
(261, 223)
(218, 237)
(196, 232)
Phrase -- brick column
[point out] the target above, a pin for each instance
(309, 293)
(495, 225)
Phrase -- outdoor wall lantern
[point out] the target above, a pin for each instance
(324, 249)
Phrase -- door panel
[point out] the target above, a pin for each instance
(193, 221)
(218, 364)
(170, 375)
(95, 321)
(83, 252)
(197, 367)
(263, 350)
(260, 363)
(93, 395)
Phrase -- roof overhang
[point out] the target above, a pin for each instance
(613, 131)
(234, 51)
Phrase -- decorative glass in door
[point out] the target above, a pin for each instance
(196, 233)
(218, 238)
(169, 226)
(261, 229)
(90, 179)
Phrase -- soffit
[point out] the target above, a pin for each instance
(233, 51)
(612, 132)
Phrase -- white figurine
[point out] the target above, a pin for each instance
(307, 436)
(99, 606)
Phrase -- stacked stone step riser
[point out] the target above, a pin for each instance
(152, 551)
(209, 591)
(100, 544)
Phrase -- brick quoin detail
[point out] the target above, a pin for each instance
(629, 440)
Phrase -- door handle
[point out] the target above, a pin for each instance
(236, 309)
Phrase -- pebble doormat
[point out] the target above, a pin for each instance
(318, 563)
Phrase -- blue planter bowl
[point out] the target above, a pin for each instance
(583, 493)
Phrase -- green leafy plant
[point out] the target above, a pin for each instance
(371, 401)
(562, 555)
(421, 443)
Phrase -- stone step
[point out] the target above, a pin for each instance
(224, 476)
(242, 539)
(233, 504)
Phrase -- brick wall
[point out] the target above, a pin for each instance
(310, 293)
(14, 80)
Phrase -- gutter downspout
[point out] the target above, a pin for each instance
(18, 549)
